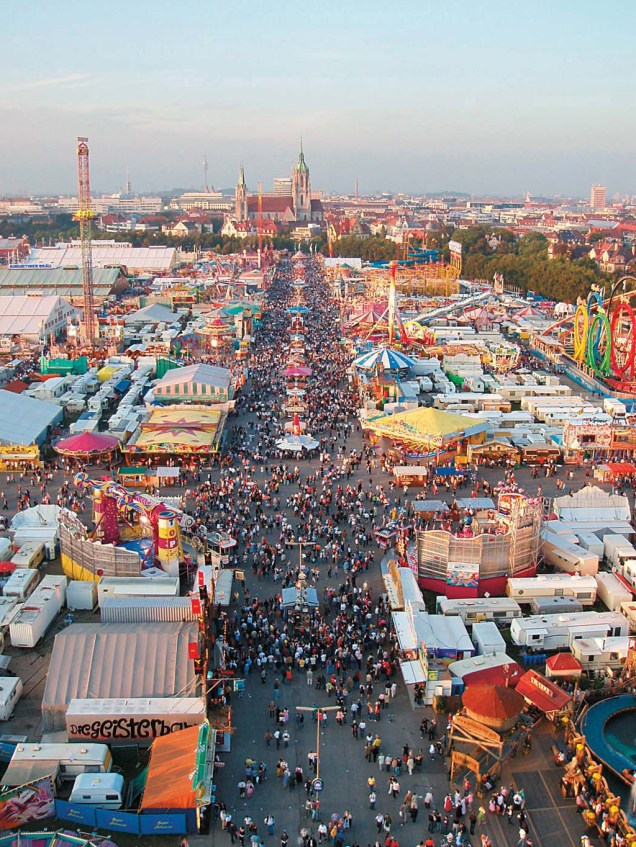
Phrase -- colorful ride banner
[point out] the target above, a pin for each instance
(27, 803)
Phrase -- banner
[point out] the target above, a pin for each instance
(75, 812)
(119, 821)
(27, 803)
(163, 824)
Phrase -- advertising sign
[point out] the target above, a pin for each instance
(27, 803)
(462, 575)
(455, 247)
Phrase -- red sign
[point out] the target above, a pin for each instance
(193, 650)
(196, 606)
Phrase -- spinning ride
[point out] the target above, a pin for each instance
(604, 334)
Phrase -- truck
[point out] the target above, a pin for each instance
(555, 632)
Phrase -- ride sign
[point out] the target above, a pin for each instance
(317, 785)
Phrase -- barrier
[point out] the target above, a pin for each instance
(109, 819)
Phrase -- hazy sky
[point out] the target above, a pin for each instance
(409, 95)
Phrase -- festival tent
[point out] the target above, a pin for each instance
(541, 692)
(427, 426)
(387, 358)
(296, 443)
(99, 661)
(86, 444)
(493, 705)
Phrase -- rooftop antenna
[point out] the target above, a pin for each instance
(206, 187)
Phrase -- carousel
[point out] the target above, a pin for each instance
(90, 448)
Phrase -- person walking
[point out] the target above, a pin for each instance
(372, 799)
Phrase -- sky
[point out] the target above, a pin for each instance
(491, 97)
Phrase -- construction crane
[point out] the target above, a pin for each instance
(260, 222)
(84, 216)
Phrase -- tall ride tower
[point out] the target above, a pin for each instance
(84, 216)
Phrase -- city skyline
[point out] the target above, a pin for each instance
(414, 98)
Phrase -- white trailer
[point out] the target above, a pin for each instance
(617, 548)
(10, 692)
(555, 632)
(81, 594)
(527, 589)
(71, 760)
(487, 639)
(9, 607)
(612, 591)
(480, 609)
(119, 586)
(590, 541)
(567, 557)
(38, 613)
(555, 606)
(21, 583)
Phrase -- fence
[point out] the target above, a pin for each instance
(116, 821)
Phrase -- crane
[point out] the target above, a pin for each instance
(84, 216)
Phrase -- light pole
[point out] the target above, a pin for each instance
(318, 720)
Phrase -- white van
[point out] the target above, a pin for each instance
(104, 790)
(30, 555)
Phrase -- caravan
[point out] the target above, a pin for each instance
(104, 790)
(527, 589)
(499, 609)
(565, 556)
(556, 632)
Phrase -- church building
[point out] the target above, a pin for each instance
(297, 207)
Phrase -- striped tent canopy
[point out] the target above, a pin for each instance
(386, 357)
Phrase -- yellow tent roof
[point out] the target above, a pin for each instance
(427, 425)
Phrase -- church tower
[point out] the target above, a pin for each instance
(301, 188)
(240, 197)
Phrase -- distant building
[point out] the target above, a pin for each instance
(182, 229)
(598, 197)
(208, 201)
(282, 186)
(296, 206)
(106, 254)
(13, 250)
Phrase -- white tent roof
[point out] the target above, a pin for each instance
(592, 503)
(154, 313)
(42, 515)
(105, 254)
(98, 661)
(24, 315)
(200, 374)
(24, 420)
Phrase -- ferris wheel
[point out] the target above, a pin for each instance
(622, 303)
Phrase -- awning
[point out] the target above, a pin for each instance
(539, 691)
(406, 636)
(412, 672)
(429, 506)
(167, 473)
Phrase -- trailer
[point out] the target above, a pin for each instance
(612, 590)
(81, 594)
(472, 611)
(526, 589)
(21, 583)
(147, 609)
(67, 761)
(601, 656)
(629, 610)
(136, 720)
(121, 586)
(487, 638)
(565, 556)
(617, 549)
(555, 606)
(556, 632)
(10, 692)
(590, 541)
(38, 613)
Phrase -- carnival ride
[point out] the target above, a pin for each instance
(123, 517)
(604, 334)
